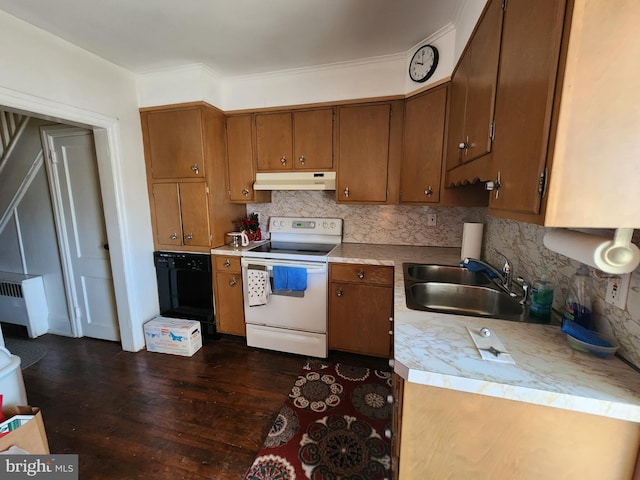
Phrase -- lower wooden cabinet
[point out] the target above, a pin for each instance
(361, 309)
(445, 433)
(227, 292)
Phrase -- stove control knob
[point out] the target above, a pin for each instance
(325, 224)
(312, 224)
(333, 224)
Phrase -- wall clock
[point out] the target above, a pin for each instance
(423, 63)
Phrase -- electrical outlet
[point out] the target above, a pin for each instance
(618, 290)
(432, 219)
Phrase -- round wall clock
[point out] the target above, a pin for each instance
(423, 63)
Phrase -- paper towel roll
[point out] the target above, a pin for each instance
(471, 240)
(615, 256)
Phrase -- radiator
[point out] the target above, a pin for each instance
(23, 302)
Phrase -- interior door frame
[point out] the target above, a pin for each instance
(106, 132)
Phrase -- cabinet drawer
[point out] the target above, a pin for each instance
(369, 274)
(227, 263)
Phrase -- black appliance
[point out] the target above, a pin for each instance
(185, 287)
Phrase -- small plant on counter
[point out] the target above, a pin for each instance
(249, 225)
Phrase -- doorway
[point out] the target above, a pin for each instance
(134, 302)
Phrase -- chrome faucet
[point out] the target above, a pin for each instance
(503, 276)
(507, 271)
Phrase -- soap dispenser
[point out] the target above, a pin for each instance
(577, 306)
(542, 298)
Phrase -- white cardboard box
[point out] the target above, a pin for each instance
(173, 335)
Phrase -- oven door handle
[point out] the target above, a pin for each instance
(246, 261)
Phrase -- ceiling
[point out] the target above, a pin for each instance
(238, 37)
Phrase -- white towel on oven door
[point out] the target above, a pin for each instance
(258, 287)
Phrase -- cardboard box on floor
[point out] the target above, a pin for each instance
(173, 335)
(30, 437)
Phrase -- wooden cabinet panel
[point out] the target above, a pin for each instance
(368, 274)
(482, 80)
(397, 391)
(453, 434)
(473, 94)
(181, 214)
(363, 153)
(422, 147)
(274, 142)
(241, 161)
(168, 222)
(229, 264)
(309, 132)
(195, 218)
(174, 143)
(526, 87)
(229, 303)
(313, 139)
(359, 318)
(360, 308)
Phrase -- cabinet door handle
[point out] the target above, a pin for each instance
(388, 433)
(173, 236)
(360, 274)
(245, 192)
(346, 192)
(301, 159)
(195, 169)
(283, 160)
(429, 191)
(227, 263)
(233, 282)
(390, 399)
(189, 236)
(339, 292)
(463, 145)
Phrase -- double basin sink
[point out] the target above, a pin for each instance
(456, 290)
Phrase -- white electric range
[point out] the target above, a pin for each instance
(294, 319)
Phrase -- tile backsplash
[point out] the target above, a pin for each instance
(377, 224)
(521, 242)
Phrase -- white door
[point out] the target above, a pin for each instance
(75, 189)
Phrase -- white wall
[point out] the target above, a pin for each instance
(46, 75)
(368, 78)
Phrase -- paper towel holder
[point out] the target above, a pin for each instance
(617, 256)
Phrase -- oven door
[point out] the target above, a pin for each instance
(286, 323)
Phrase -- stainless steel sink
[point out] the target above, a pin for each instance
(463, 300)
(456, 290)
(421, 272)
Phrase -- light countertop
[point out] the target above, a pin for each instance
(436, 349)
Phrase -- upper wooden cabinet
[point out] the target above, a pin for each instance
(566, 145)
(242, 161)
(181, 214)
(422, 144)
(187, 176)
(369, 145)
(175, 147)
(473, 92)
(525, 103)
(299, 140)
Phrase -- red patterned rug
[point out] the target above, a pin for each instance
(332, 427)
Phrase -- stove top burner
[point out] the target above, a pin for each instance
(294, 248)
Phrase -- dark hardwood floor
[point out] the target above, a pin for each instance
(155, 416)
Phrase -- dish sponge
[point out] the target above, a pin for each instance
(582, 334)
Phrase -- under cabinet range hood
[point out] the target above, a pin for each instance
(295, 181)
